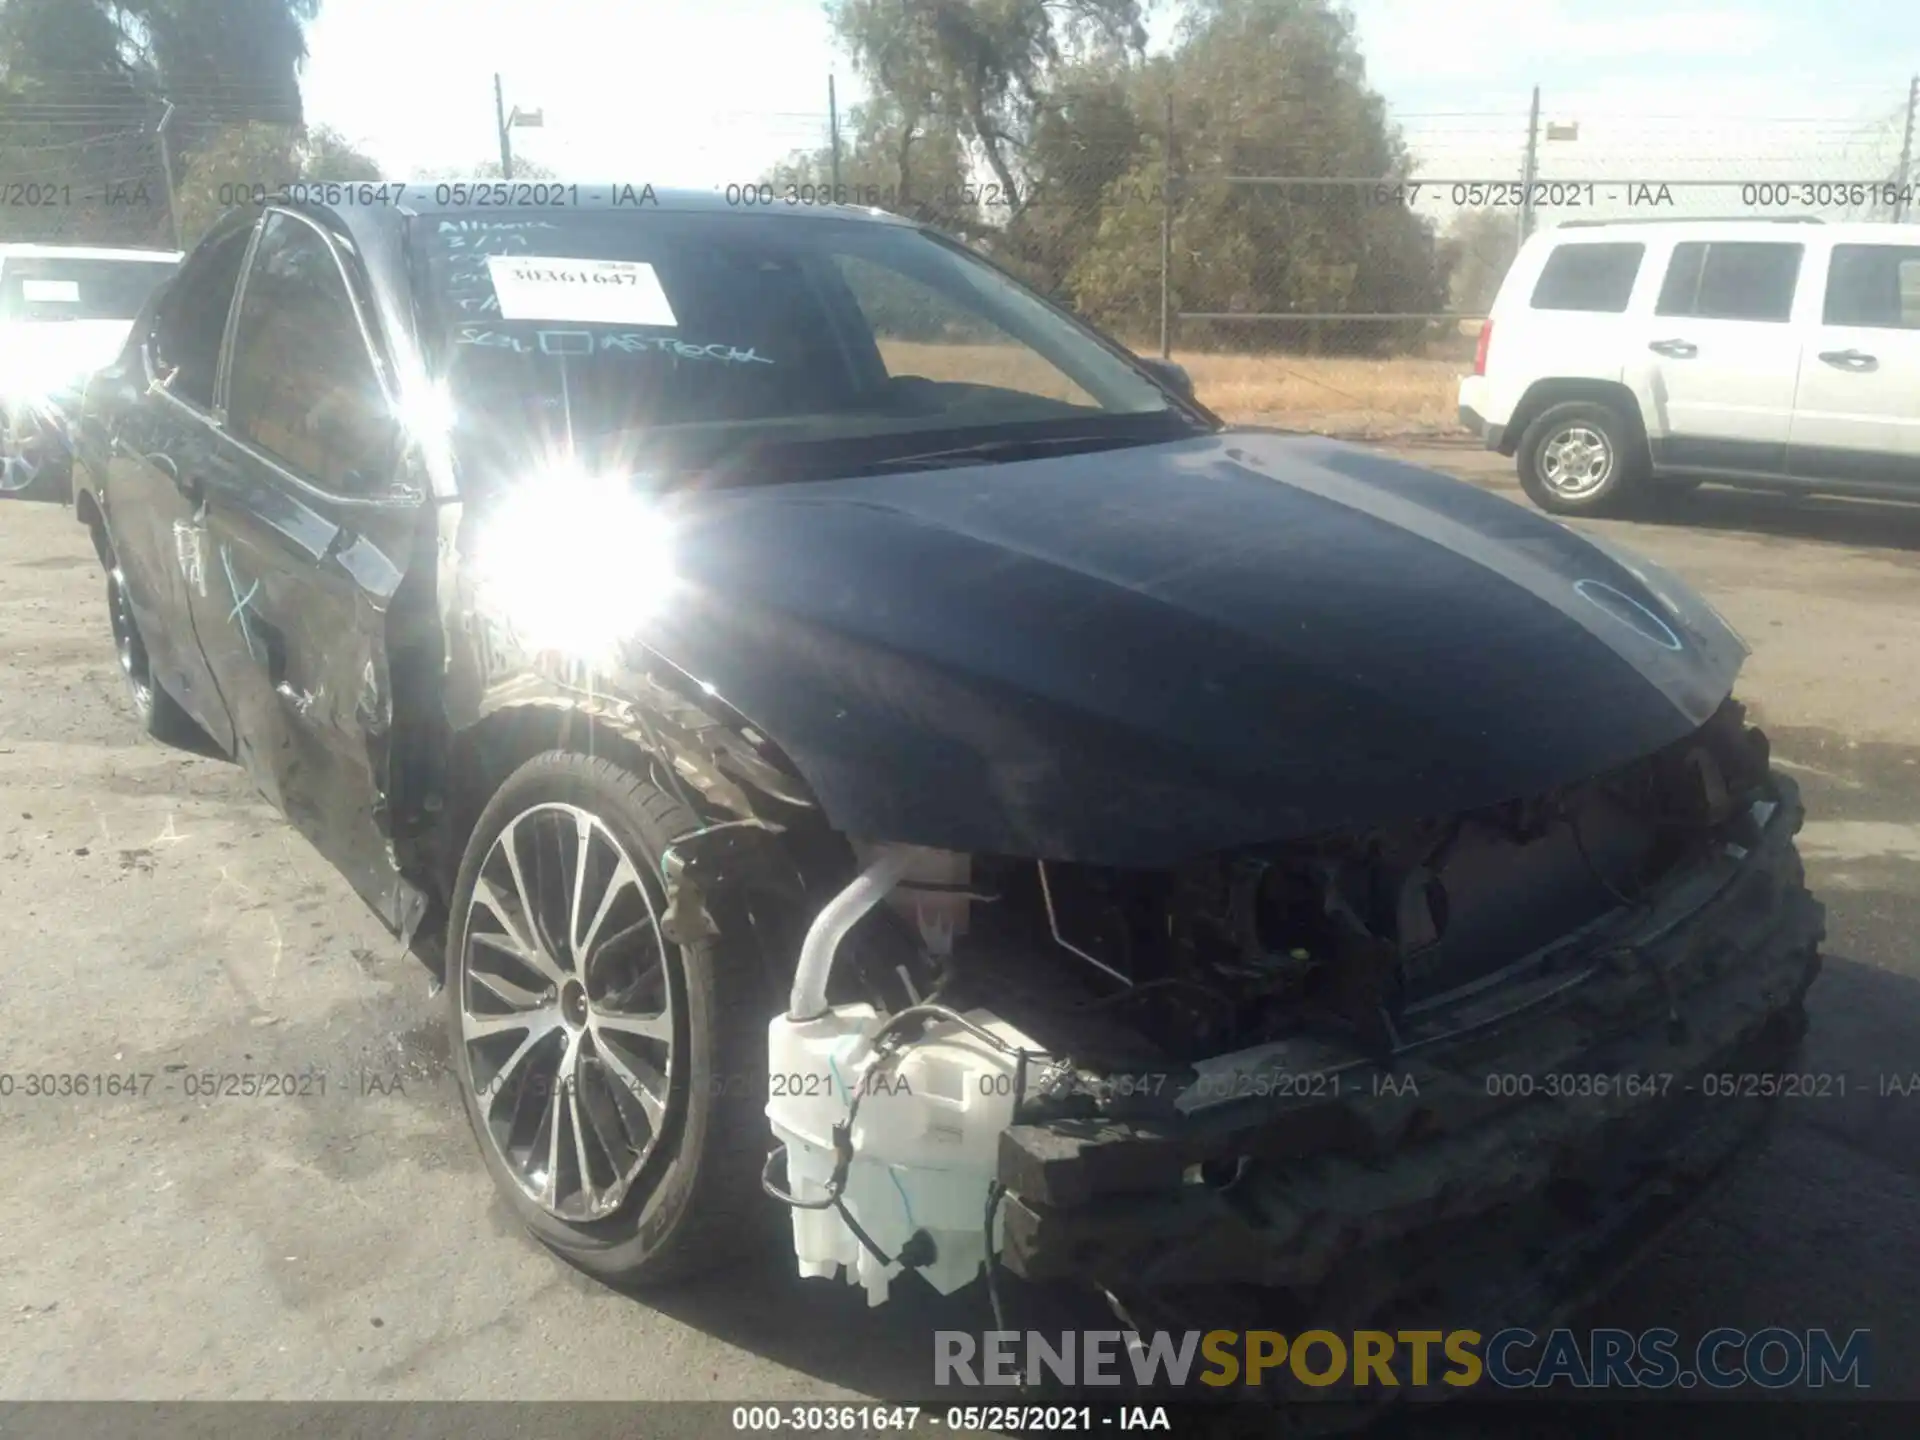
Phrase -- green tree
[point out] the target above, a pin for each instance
(895, 159)
(256, 158)
(77, 47)
(1271, 88)
(523, 169)
(84, 84)
(329, 155)
(1054, 104)
(236, 60)
(73, 88)
(1095, 130)
(979, 71)
(1478, 248)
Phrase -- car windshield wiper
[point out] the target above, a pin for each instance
(987, 451)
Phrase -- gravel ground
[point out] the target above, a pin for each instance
(348, 1246)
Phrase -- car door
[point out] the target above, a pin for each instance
(1723, 355)
(309, 530)
(151, 416)
(1856, 411)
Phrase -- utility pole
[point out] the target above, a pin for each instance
(833, 137)
(1902, 180)
(1166, 240)
(500, 119)
(1530, 169)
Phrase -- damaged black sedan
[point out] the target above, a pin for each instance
(857, 744)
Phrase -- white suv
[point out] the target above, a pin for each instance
(1623, 359)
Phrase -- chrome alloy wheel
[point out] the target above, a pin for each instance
(1577, 462)
(18, 467)
(567, 991)
(34, 445)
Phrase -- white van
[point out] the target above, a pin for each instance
(65, 311)
(1623, 359)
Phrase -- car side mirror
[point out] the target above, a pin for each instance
(1174, 377)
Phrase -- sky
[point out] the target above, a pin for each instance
(709, 92)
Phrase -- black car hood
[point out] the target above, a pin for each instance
(1135, 656)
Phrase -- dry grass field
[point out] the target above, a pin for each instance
(1336, 395)
(1333, 395)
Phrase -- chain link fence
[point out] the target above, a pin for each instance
(1362, 300)
(1305, 283)
(95, 159)
(87, 172)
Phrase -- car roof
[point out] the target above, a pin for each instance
(373, 216)
(1760, 227)
(87, 252)
(422, 196)
(364, 208)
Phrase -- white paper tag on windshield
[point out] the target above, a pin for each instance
(61, 292)
(558, 287)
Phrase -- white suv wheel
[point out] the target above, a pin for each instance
(1581, 457)
(1576, 462)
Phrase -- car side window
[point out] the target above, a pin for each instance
(1874, 286)
(1589, 277)
(192, 317)
(303, 387)
(1731, 280)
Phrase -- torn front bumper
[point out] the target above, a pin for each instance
(1519, 1149)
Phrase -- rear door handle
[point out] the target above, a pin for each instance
(1849, 360)
(1678, 349)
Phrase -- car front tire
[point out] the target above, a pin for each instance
(1582, 458)
(614, 1080)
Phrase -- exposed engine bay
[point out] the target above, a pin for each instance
(1345, 933)
(993, 983)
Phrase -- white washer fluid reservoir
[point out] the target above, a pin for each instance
(926, 1140)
